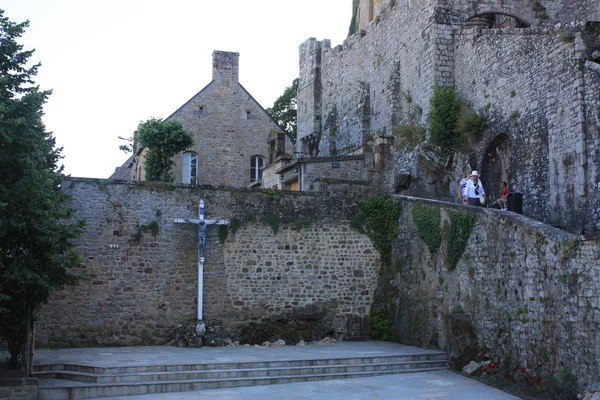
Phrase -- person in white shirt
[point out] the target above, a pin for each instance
(473, 190)
(461, 188)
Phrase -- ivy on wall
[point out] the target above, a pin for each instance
(378, 219)
(429, 224)
(461, 226)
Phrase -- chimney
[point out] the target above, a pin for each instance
(225, 66)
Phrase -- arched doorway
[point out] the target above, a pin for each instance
(495, 166)
(495, 20)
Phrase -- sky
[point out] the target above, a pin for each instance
(112, 64)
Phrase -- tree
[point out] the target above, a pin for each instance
(36, 228)
(284, 109)
(162, 140)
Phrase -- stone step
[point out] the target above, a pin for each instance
(73, 381)
(130, 377)
(38, 369)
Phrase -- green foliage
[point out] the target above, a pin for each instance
(461, 226)
(223, 232)
(153, 227)
(382, 327)
(514, 117)
(408, 135)
(284, 110)
(273, 220)
(468, 124)
(126, 148)
(451, 121)
(443, 114)
(302, 223)
(162, 140)
(378, 219)
(234, 224)
(36, 228)
(271, 193)
(566, 36)
(429, 224)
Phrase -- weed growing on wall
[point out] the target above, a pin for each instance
(451, 121)
(461, 226)
(152, 227)
(429, 224)
(382, 327)
(378, 219)
(273, 220)
(408, 135)
(444, 108)
(566, 36)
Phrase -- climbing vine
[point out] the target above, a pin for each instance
(429, 224)
(378, 219)
(461, 226)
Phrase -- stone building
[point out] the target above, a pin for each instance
(530, 68)
(231, 132)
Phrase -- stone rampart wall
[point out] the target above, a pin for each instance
(528, 291)
(141, 266)
(530, 91)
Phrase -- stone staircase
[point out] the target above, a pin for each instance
(72, 381)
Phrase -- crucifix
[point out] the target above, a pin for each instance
(201, 222)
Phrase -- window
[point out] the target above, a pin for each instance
(247, 114)
(190, 168)
(256, 165)
(201, 110)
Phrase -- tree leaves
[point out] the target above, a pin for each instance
(284, 109)
(163, 140)
(36, 227)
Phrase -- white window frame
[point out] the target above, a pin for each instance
(257, 163)
(189, 173)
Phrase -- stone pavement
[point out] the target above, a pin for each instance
(442, 385)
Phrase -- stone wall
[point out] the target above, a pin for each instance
(547, 12)
(18, 389)
(141, 266)
(527, 291)
(531, 84)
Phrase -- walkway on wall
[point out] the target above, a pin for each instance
(518, 219)
(353, 370)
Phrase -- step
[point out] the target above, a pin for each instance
(60, 390)
(236, 372)
(38, 369)
(78, 381)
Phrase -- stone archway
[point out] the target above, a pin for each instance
(495, 20)
(495, 166)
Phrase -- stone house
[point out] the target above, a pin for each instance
(532, 69)
(231, 131)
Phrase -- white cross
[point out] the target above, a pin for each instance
(201, 222)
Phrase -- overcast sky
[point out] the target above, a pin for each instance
(114, 63)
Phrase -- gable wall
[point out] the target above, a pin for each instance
(225, 139)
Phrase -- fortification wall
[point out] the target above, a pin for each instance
(141, 266)
(528, 82)
(592, 107)
(522, 290)
(544, 12)
(367, 84)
